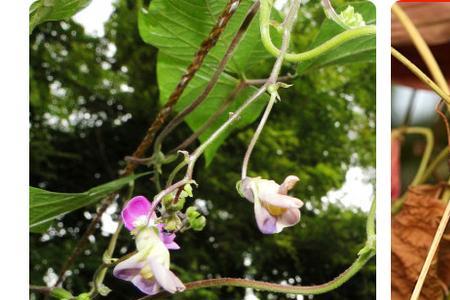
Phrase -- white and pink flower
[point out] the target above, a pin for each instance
(148, 269)
(274, 209)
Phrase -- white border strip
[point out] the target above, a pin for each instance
(14, 149)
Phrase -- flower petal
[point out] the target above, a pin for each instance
(138, 206)
(169, 241)
(172, 246)
(246, 186)
(289, 218)
(166, 278)
(129, 268)
(149, 287)
(266, 187)
(288, 184)
(167, 238)
(281, 200)
(266, 222)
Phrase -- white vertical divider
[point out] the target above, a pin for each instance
(383, 149)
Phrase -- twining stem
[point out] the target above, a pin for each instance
(350, 34)
(212, 81)
(421, 75)
(256, 135)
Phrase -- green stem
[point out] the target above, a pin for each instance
(421, 75)
(355, 267)
(281, 288)
(256, 135)
(175, 171)
(350, 34)
(428, 134)
(434, 164)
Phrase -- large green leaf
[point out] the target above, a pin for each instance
(177, 28)
(358, 50)
(45, 206)
(53, 10)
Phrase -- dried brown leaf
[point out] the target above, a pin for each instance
(413, 229)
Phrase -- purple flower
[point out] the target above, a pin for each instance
(135, 216)
(274, 209)
(148, 269)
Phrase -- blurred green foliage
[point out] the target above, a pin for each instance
(91, 100)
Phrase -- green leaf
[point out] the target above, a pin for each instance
(358, 50)
(45, 206)
(177, 28)
(53, 10)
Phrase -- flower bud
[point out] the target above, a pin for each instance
(351, 18)
(198, 224)
(192, 212)
(195, 219)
